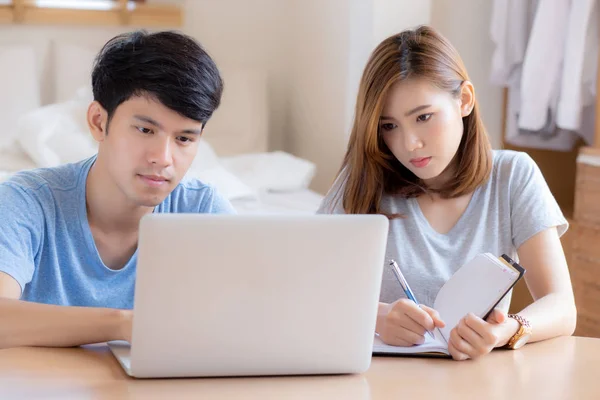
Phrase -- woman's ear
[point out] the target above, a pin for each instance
(97, 118)
(467, 98)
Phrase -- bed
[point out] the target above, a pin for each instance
(46, 90)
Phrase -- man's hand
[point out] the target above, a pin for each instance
(126, 325)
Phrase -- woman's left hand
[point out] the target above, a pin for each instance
(473, 337)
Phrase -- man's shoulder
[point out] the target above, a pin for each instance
(192, 195)
(63, 177)
(189, 184)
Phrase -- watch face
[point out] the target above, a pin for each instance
(521, 341)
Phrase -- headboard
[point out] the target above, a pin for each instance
(63, 57)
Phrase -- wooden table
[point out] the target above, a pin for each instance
(564, 368)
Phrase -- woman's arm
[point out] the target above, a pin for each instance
(552, 314)
(553, 311)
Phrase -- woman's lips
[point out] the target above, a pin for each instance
(420, 162)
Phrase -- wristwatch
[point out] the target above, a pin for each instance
(522, 335)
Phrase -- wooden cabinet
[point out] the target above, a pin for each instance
(585, 247)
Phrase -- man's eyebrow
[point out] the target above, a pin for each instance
(148, 120)
(192, 131)
(152, 122)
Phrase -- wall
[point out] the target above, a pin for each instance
(40, 37)
(332, 40)
(392, 16)
(319, 84)
(313, 53)
(466, 24)
(248, 34)
(235, 32)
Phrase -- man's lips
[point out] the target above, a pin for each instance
(154, 177)
(154, 180)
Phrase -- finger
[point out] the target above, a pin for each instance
(435, 316)
(457, 355)
(409, 324)
(497, 316)
(472, 338)
(420, 316)
(393, 340)
(397, 318)
(462, 345)
(409, 336)
(481, 327)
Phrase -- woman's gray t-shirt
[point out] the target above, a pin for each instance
(514, 205)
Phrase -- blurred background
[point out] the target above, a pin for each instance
(291, 70)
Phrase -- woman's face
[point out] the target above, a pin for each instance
(422, 126)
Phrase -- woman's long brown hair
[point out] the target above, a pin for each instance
(369, 168)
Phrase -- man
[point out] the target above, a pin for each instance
(68, 235)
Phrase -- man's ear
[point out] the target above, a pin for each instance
(97, 119)
(467, 98)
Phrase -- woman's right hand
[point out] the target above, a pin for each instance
(404, 323)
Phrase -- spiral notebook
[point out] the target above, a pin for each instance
(477, 287)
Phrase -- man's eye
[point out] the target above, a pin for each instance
(388, 126)
(423, 117)
(185, 139)
(144, 130)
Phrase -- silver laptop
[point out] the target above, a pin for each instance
(226, 295)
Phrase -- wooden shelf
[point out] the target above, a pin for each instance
(121, 13)
(6, 14)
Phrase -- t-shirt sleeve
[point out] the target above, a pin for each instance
(332, 203)
(533, 208)
(20, 233)
(217, 204)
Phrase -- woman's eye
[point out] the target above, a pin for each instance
(144, 130)
(388, 126)
(423, 117)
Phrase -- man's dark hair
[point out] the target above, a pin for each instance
(168, 66)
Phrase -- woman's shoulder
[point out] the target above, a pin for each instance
(510, 157)
(509, 165)
(332, 202)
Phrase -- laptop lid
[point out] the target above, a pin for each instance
(226, 295)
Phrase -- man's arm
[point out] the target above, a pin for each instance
(25, 323)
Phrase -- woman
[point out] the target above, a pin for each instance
(419, 154)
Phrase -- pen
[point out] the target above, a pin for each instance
(405, 286)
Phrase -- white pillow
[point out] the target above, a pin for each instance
(57, 133)
(275, 171)
(72, 69)
(206, 157)
(227, 184)
(207, 168)
(19, 88)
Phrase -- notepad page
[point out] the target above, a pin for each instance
(429, 346)
(475, 288)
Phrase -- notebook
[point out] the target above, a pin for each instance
(477, 287)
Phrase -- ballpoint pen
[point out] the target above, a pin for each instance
(405, 286)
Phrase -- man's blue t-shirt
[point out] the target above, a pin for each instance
(46, 243)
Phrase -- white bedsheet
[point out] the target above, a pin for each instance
(297, 202)
(300, 201)
(14, 159)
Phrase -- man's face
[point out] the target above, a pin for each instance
(147, 149)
